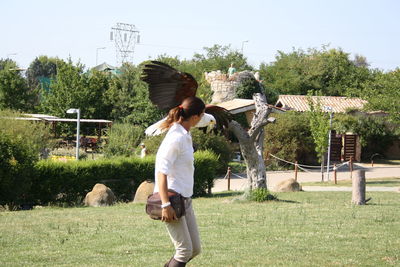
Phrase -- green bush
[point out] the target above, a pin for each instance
(376, 136)
(215, 143)
(260, 195)
(247, 88)
(123, 139)
(70, 181)
(205, 165)
(201, 141)
(16, 165)
(376, 133)
(34, 134)
(21, 143)
(153, 143)
(290, 139)
(237, 167)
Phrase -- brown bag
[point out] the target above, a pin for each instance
(153, 205)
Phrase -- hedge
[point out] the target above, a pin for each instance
(16, 164)
(71, 181)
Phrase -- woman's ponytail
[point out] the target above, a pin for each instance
(189, 107)
(174, 115)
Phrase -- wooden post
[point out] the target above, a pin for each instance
(351, 167)
(295, 170)
(358, 188)
(334, 173)
(229, 178)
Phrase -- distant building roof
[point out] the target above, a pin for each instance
(55, 119)
(104, 66)
(239, 105)
(338, 104)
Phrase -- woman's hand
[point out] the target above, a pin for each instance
(168, 214)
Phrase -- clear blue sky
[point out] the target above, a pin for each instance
(180, 28)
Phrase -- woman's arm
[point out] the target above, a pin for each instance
(168, 213)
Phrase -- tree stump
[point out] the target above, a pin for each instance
(358, 186)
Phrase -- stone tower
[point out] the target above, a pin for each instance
(224, 88)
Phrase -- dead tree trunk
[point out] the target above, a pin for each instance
(358, 186)
(251, 143)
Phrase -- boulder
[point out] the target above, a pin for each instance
(100, 195)
(144, 190)
(289, 185)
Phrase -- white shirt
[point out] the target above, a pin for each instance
(143, 152)
(175, 159)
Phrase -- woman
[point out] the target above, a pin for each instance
(174, 172)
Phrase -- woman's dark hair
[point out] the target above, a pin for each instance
(190, 106)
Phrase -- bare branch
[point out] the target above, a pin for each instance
(260, 118)
(239, 132)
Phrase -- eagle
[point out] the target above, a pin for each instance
(168, 88)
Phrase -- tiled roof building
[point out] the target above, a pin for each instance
(338, 104)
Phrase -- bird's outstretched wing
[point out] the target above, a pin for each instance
(168, 86)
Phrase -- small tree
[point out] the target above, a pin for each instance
(123, 139)
(14, 93)
(290, 138)
(319, 125)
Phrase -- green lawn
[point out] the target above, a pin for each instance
(392, 181)
(303, 229)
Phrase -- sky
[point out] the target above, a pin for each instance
(79, 29)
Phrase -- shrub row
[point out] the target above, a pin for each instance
(69, 182)
(16, 164)
(201, 141)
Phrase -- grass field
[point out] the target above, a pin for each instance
(389, 182)
(302, 229)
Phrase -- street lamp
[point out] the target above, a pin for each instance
(97, 52)
(12, 54)
(78, 111)
(329, 109)
(243, 45)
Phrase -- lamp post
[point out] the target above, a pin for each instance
(78, 112)
(12, 54)
(329, 109)
(243, 45)
(97, 52)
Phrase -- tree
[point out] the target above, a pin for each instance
(217, 57)
(376, 133)
(383, 93)
(21, 143)
(123, 139)
(72, 88)
(247, 88)
(290, 138)
(319, 125)
(128, 97)
(251, 143)
(41, 70)
(329, 71)
(14, 93)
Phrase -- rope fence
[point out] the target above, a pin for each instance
(297, 166)
(307, 168)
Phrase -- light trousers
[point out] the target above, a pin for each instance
(184, 234)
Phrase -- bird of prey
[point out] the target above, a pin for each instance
(168, 88)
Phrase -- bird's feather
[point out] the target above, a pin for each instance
(168, 87)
